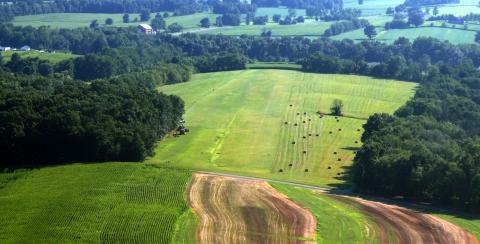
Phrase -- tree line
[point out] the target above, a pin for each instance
(47, 120)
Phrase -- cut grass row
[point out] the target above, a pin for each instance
(94, 203)
(237, 121)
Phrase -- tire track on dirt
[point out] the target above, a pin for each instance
(234, 210)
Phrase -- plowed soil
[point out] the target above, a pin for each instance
(400, 225)
(233, 210)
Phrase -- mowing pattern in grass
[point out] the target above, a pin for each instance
(107, 203)
(337, 222)
(237, 121)
(52, 57)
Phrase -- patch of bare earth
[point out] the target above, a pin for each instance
(233, 210)
(400, 225)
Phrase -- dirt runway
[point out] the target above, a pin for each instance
(233, 210)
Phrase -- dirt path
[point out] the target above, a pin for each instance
(234, 210)
(401, 225)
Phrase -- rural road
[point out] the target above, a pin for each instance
(278, 181)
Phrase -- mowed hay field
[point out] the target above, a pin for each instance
(237, 121)
(52, 57)
(75, 20)
(95, 203)
(309, 28)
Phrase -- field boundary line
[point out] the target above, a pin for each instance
(242, 177)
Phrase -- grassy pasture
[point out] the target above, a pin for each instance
(75, 20)
(337, 222)
(94, 203)
(309, 28)
(281, 11)
(453, 35)
(237, 123)
(52, 57)
(372, 7)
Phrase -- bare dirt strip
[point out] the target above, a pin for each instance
(235, 210)
(400, 225)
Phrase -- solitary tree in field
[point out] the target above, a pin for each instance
(109, 21)
(370, 31)
(337, 107)
(94, 24)
(126, 18)
(435, 11)
(158, 23)
(144, 15)
(415, 17)
(205, 22)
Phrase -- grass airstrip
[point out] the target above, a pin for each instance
(273, 123)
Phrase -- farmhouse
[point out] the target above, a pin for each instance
(146, 29)
(5, 48)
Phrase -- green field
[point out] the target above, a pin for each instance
(309, 28)
(237, 123)
(75, 20)
(372, 7)
(337, 222)
(274, 65)
(281, 11)
(457, 10)
(453, 35)
(52, 57)
(95, 203)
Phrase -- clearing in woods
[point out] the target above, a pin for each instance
(264, 123)
(232, 210)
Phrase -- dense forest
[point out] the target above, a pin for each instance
(47, 120)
